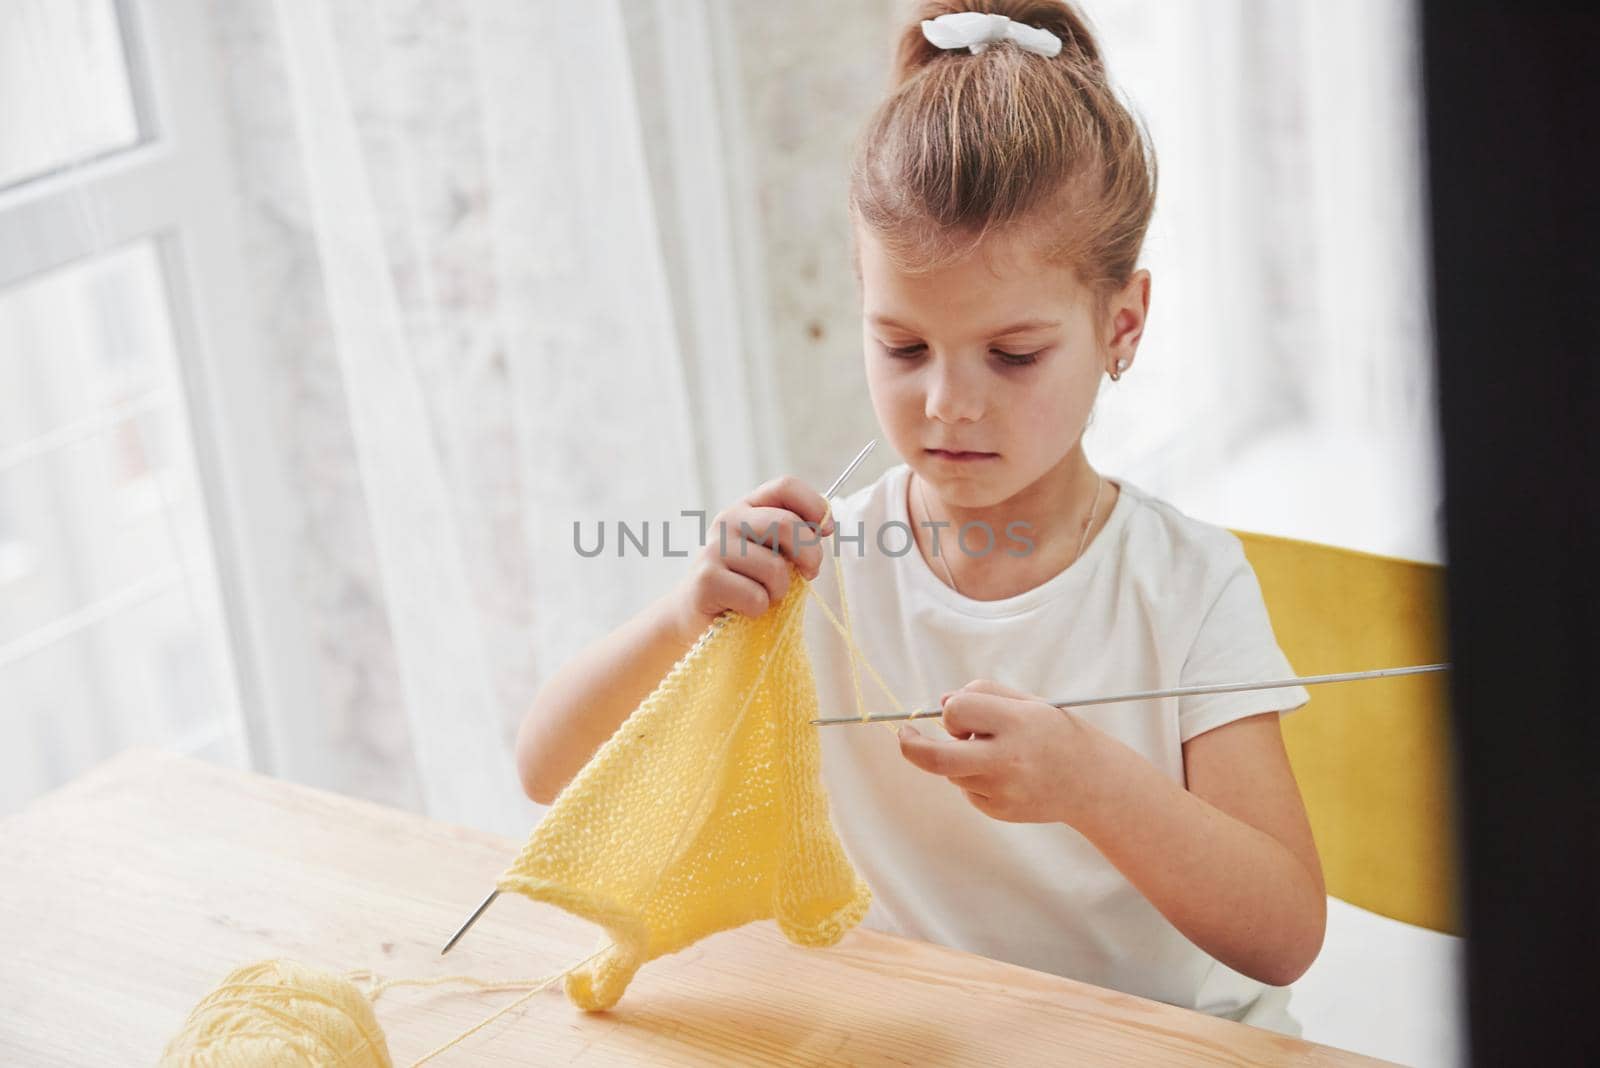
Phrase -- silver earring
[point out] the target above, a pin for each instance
(1122, 365)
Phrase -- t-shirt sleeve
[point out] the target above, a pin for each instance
(1235, 643)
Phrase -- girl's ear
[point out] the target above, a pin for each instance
(1129, 309)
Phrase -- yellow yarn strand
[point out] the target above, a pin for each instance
(855, 650)
(844, 627)
(278, 1010)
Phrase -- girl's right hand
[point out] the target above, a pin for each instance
(750, 576)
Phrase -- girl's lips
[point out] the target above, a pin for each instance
(945, 454)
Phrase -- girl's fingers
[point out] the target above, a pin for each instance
(968, 712)
(790, 493)
(776, 529)
(761, 565)
(947, 758)
(998, 689)
(740, 593)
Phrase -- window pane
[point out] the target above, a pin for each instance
(65, 93)
(140, 677)
(93, 518)
(81, 344)
(111, 629)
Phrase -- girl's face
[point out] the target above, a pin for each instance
(996, 354)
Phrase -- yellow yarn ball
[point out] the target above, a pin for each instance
(276, 1012)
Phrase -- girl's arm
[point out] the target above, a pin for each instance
(584, 703)
(1230, 860)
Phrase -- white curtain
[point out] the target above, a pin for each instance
(499, 300)
(1285, 383)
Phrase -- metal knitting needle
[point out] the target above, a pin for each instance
(846, 473)
(487, 901)
(1184, 691)
(470, 921)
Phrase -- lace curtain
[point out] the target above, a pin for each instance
(498, 303)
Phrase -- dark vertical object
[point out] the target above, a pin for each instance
(1513, 119)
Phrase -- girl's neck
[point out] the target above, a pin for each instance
(1053, 508)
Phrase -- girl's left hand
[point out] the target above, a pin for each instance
(1016, 757)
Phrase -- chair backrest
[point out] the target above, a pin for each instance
(1374, 758)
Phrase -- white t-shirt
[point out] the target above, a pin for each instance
(1158, 600)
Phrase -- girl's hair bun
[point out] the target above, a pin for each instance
(1078, 46)
(966, 144)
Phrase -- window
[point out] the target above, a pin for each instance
(112, 623)
(57, 113)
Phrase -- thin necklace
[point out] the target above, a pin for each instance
(1099, 485)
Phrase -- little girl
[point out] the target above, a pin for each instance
(999, 198)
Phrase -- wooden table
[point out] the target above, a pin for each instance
(131, 891)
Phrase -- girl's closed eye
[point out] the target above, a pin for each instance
(1011, 359)
(1019, 359)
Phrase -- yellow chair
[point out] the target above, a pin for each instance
(1374, 757)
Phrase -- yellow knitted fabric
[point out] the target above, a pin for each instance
(703, 812)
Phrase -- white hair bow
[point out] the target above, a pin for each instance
(977, 30)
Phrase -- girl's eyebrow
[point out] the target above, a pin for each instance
(1014, 328)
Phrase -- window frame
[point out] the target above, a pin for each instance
(175, 188)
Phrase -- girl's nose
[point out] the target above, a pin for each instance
(952, 397)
